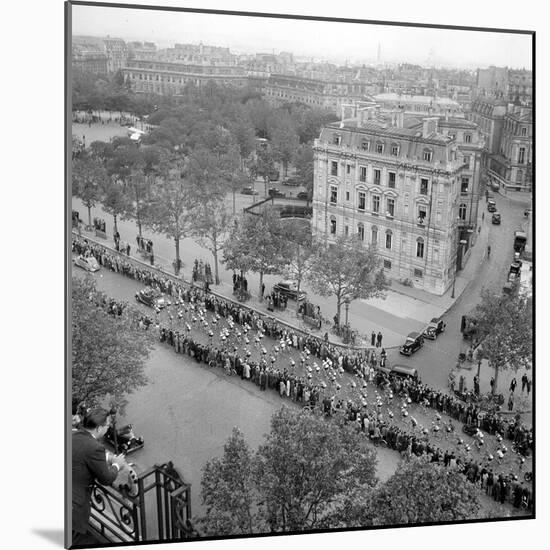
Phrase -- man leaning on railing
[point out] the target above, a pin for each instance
(90, 465)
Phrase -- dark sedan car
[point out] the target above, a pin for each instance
(152, 298)
(436, 326)
(495, 220)
(414, 342)
(289, 289)
(303, 195)
(274, 192)
(248, 191)
(491, 205)
(292, 181)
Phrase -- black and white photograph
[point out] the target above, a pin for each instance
(300, 271)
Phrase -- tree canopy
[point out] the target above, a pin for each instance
(297, 477)
(348, 270)
(256, 243)
(108, 352)
(421, 492)
(504, 326)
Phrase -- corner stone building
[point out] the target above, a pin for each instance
(398, 188)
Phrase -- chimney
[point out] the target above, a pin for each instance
(400, 117)
(429, 126)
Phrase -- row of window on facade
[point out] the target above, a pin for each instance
(388, 241)
(395, 148)
(390, 205)
(423, 189)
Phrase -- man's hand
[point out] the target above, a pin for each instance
(119, 460)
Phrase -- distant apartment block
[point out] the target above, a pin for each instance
(170, 78)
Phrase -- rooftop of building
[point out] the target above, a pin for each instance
(525, 115)
(382, 127)
(423, 99)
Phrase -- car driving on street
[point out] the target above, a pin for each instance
(413, 343)
(491, 205)
(152, 298)
(89, 263)
(435, 327)
(248, 191)
(289, 289)
(495, 220)
(274, 192)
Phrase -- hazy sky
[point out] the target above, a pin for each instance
(320, 40)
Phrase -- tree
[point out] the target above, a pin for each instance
(211, 225)
(205, 175)
(108, 352)
(114, 200)
(347, 270)
(285, 142)
(263, 166)
(228, 490)
(303, 161)
(302, 472)
(419, 492)
(169, 211)
(244, 136)
(306, 467)
(88, 178)
(256, 244)
(300, 251)
(505, 329)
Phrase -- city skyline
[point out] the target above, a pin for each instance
(342, 42)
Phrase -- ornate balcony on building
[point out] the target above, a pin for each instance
(159, 511)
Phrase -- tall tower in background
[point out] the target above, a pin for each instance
(379, 55)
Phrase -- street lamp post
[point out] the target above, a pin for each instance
(346, 304)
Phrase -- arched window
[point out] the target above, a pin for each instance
(361, 231)
(388, 239)
(332, 225)
(374, 235)
(462, 211)
(420, 247)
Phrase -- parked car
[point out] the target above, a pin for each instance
(248, 191)
(89, 263)
(290, 290)
(413, 343)
(491, 205)
(495, 220)
(292, 181)
(436, 326)
(303, 195)
(152, 298)
(274, 192)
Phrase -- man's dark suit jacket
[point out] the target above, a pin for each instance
(89, 465)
